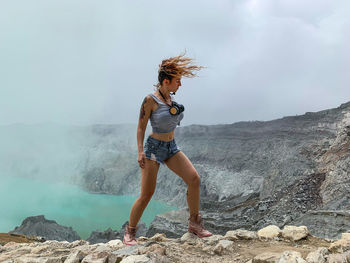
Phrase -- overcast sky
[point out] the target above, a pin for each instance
(88, 61)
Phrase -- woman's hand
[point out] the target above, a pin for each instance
(141, 159)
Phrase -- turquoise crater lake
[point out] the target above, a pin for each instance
(68, 205)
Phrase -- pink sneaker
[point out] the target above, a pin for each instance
(130, 236)
(195, 226)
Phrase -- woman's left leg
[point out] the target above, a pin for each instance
(182, 166)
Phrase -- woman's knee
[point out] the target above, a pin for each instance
(195, 180)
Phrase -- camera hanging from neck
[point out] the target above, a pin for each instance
(174, 108)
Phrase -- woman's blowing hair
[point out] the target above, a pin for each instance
(179, 66)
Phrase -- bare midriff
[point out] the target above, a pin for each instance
(163, 136)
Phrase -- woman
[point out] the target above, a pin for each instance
(165, 114)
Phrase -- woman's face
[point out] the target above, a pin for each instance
(174, 84)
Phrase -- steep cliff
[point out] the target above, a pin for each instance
(252, 173)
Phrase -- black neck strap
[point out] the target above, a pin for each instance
(164, 98)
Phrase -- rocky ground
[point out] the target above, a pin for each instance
(270, 244)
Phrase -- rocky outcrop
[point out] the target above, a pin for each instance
(48, 229)
(235, 246)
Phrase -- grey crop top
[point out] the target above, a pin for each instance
(161, 119)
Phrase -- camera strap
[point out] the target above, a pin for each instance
(165, 99)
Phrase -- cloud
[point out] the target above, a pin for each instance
(85, 62)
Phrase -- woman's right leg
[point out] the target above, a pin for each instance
(148, 186)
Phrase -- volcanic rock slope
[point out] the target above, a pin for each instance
(293, 170)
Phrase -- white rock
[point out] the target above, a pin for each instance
(231, 235)
(27, 259)
(318, 256)
(267, 257)
(340, 246)
(4, 257)
(159, 237)
(339, 258)
(127, 250)
(98, 257)
(75, 256)
(98, 244)
(51, 242)
(345, 236)
(240, 234)
(222, 246)
(40, 249)
(212, 239)
(207, 248)
(295, 233)
(18, 251)
(225, 243)
(136, 259)
(218, 250)
(270, 231)
(77, 243)
(291, 257)
(34, 244)
(189, 238)
(85, 248)
(116, 243)
(103, 247)
(12, 244)
(65, 243)
(142, 238)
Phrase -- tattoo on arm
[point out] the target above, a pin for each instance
(142, 110)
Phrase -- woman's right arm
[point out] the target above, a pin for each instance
(145, 113)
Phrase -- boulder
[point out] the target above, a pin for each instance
(96, 257)
(318, 256)
(340, 246)
(159, 237)
(127, 251)
(136, 259)
(222, 246)
(339, 258)
(345, 236)
(49, 229)
(213, 239)
(267, 257)
(269, 232)
(291, 257)
(189, 238)
(240, 234)
(295, 233)
(115, 243)
(76, 256)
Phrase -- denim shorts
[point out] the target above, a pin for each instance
(160, 151)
